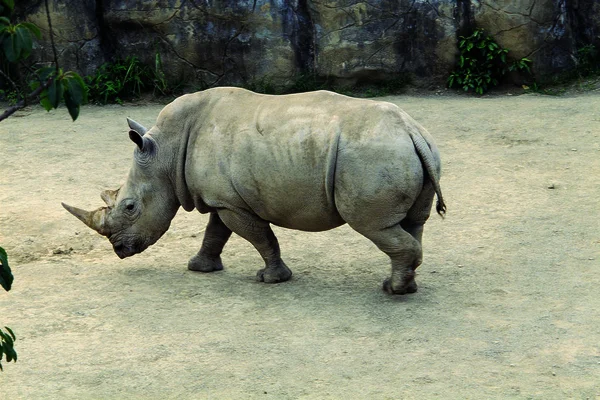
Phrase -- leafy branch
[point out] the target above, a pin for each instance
(51, 85)
(7, 339)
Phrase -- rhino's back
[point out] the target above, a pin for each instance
(276, 156)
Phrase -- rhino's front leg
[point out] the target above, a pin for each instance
(259, 233)
(208, 258)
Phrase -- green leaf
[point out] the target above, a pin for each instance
(4, 21)
(45, 102)
(6, 276)
(72, 105)
(8, 45)
(45, 73)
(55, 93)
(11, 332)
(8, 342)
(9, 3)
(76, 87)
(32, 28)
(23, 37)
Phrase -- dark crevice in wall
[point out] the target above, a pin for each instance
(463, 14)
(581, 22)
(299, 26)
(107, 43)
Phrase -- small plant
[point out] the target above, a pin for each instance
(311, 82)
(12, 97)
(161, 84)
(118, 81)
(263, 85)
(482, 63)
(587, 60)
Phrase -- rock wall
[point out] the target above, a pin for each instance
(217, 42)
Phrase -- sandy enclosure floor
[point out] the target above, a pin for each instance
(508, 304)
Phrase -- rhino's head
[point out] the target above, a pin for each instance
(139, 212)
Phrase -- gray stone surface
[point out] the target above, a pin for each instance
(205, 43)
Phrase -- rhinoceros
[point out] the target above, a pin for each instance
(310, 161)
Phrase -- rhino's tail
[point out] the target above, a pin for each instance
(427, 159)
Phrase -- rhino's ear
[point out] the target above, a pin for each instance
(137, 138)
(144, 143)
(135, 126)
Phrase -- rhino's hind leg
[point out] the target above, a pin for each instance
(405, 253)
(208, 258)
(259, 233)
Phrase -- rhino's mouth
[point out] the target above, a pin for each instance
(126, 248)
(123, 251)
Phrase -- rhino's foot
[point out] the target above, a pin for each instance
(405, 288)
(274, 274)
(204, 263)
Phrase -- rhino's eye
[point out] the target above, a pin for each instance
(129, 207)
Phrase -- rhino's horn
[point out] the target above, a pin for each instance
(136, 126)
(94, 219)
(110, 197)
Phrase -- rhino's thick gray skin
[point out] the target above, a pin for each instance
(311, 161)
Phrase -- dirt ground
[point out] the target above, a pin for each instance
(508, 303)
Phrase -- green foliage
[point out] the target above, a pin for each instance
(378, 89)
(12, 97)
(7, 340)
(587, 61)
(50, 84)
(61, 86)
(6, 6)
(482, 63)
(118, 81)
(161, 85)
(115, 82)
(6, 276)
(584, 76)
(310, 82)
(263, 85)
(17, 40)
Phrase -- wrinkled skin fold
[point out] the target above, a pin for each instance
(311, 162)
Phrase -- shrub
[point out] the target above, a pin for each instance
(482, 63)
(119, 80)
